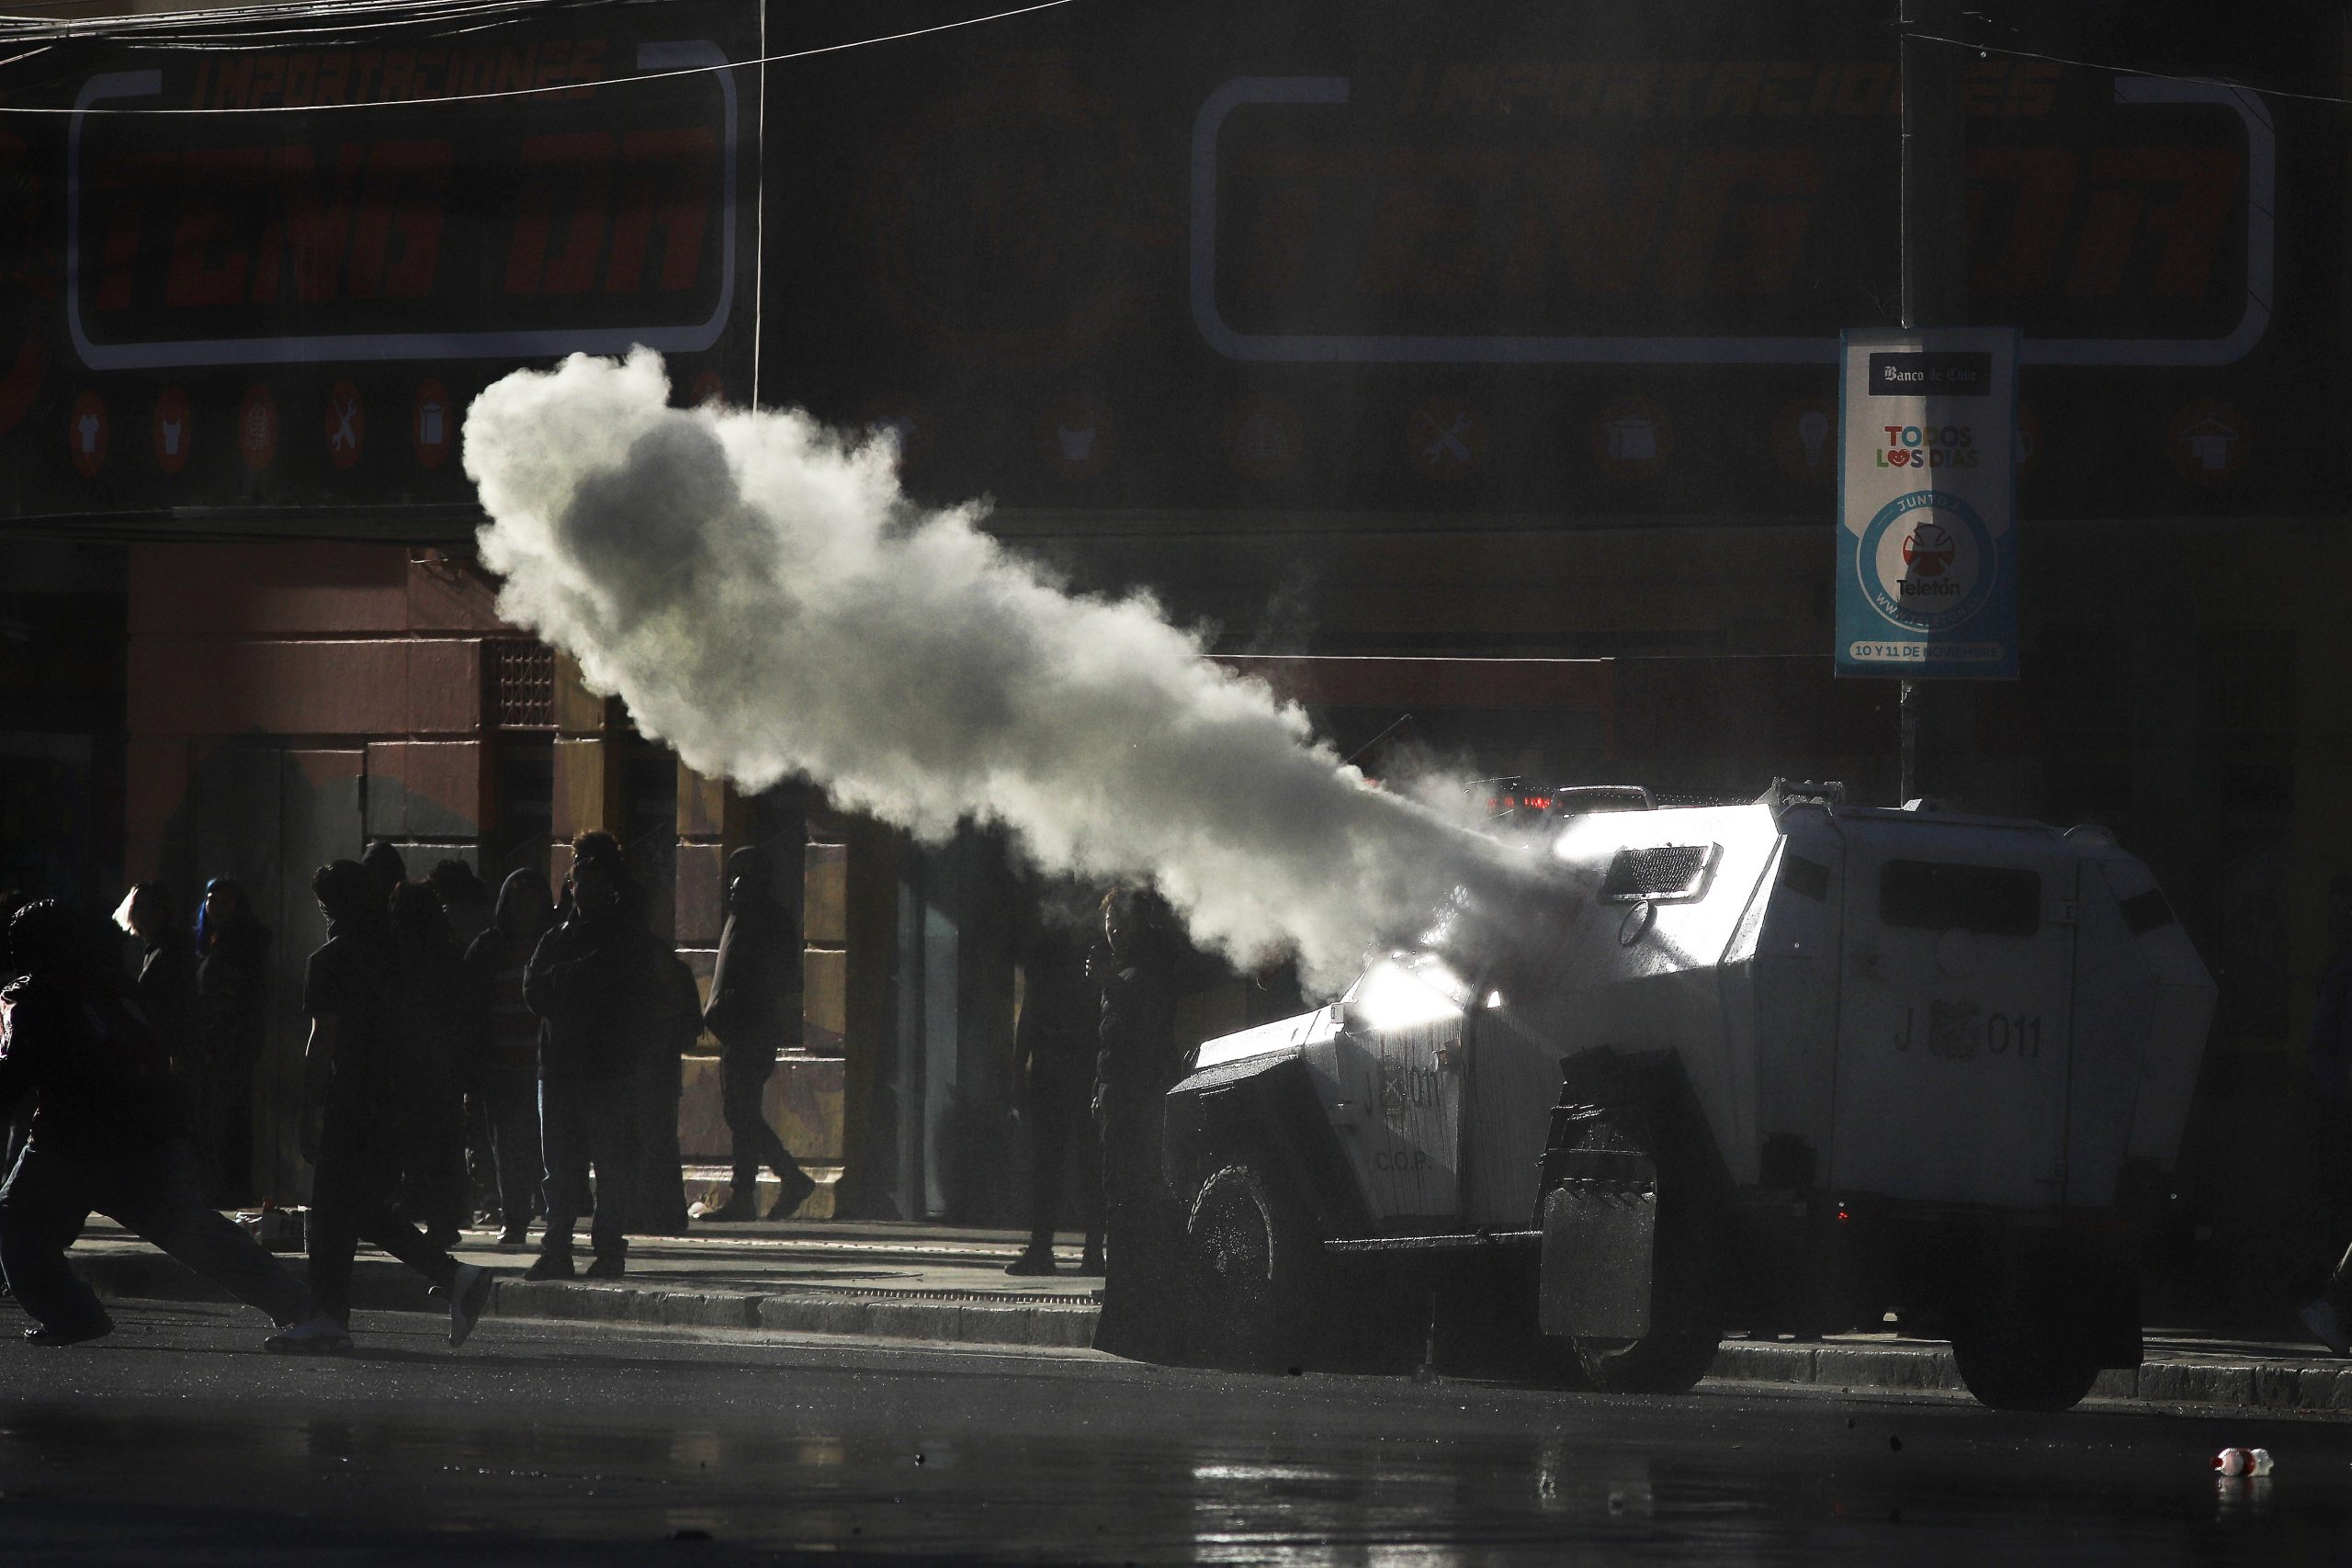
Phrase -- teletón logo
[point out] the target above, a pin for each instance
(1926, 562)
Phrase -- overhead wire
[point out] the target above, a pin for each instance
(632, 80)
(2131, 70)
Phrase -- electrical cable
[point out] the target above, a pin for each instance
(560, 87)
(2132, 70)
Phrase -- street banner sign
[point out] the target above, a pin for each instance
(1926, 505)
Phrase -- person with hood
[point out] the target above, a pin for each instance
(1140, 1060)
(1054, 1044)
(352, 1078)
(596, 986)
(231, 1028)
(505, 1073)
(111, 1135)
(754, 1012)
(166, 983)
(432, 1027)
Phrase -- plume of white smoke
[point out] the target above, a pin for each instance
(767, 601)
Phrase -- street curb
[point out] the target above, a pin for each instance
(381, 1285)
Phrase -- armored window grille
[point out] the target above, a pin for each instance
(522, 684)
(1663, 874)
(1933, 895)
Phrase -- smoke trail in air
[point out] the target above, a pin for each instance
(767, 601)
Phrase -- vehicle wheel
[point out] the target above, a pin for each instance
(1670, 1359)
(1259, 1261)
(2017, 1349)
(1686, 1297)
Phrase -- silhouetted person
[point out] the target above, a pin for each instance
(386, 869)
(352, 993)
(464, 901)
(1143, 1223)
(594, 986)
(17, 1117)
(661, 1084)
(2329, 1318)
(755, 1013)
(232, 1029)
(111, 1135)
(506, 1058)
(432, 1032)
(1054, 1048)
(166, 983)
(674, 1023)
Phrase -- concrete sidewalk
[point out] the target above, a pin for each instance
(944, 1284)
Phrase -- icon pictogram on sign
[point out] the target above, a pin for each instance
(85, 434)
(2209, 440)
(1631, 438)
(169, 432)
(430, 424)
(1446, 438)
(1075, 436)
(257, 427)
(346, 425)
(1804, 440)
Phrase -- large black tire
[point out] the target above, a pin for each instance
(1670, 1359)
(2016, 1343)
(1686, 1292)
(1259, 1262)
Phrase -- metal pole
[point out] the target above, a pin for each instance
(1934, 260)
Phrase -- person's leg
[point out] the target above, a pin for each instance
(41, 1211)
(332, 1231)
(565, 1188)
(609, 1123)
(743, 1076)
(1050, 1138)
(514, 1136)
(661, 1191)
(1088, 1140)
(162, 1204)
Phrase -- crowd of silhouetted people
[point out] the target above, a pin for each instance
(510, 1059)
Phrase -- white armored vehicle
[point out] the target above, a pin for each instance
(1780, 1067)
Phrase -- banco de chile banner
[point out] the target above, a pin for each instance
(1928, 555)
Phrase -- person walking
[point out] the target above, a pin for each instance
(593, 984)
(505, 1067)
(232, 1027)
(111, 1135)
(432, 1027)
(1054, 1046)
(167, 984)
(754, 1012)
(352, 993)
(1143, 1223)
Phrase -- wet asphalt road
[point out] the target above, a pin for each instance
(178, 1441)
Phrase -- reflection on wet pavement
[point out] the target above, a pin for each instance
(964, 1457)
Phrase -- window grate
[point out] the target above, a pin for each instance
(1667, 871)
(522, 684)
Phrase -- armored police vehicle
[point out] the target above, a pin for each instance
(1783, 1067)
